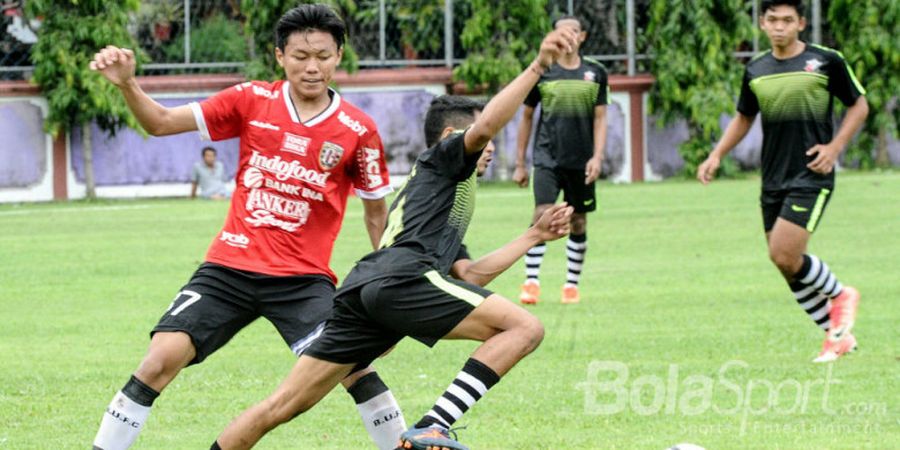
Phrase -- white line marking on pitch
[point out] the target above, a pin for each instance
(73, 209)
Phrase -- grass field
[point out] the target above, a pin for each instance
(686, 332)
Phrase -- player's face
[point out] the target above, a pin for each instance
(209, 158)
(485, 160)
(782, 25)
(575, 26)
(309, 61)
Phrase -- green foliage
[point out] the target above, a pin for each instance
(697, 78)
(867, 33)
(72, 31)
(500, 38)
(420, 22)
(263, 15)
(216, 39)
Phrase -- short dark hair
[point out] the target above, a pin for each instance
(310, 17)
(448, 111)
(569, 17)
(769, 4)
(207, 149)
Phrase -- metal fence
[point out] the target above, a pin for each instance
(191, 36)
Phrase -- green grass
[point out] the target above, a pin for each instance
(677, 289)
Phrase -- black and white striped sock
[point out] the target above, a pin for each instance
(469, 386)
(814, 286)
(576, 247)
(533, 259)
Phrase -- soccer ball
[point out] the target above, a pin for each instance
(685, 447)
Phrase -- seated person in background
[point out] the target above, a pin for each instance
(209, 174)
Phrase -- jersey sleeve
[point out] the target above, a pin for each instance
(603, 91)
(747, 104)
(449, 158)
(463, 253)
(842, 83)
(534, 96)
(195, 174)
(370, 173)
(220, 116)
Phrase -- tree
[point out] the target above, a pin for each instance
(867, 35)
(262, 17)
(500, 38)
(418, 25)
(72, 31)
(697, 77)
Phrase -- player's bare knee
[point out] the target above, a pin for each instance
(578, 223)
(785, 261)
(157, 370)
(532, 331)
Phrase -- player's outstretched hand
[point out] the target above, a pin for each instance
(115, 64)
(555, 45)
(707, 171)
(554, 222)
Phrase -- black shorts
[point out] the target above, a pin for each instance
(219, 301)
(370, 319)
(548, 182)
(803, 207)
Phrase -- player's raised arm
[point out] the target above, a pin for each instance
(118, 65)
(503, 106)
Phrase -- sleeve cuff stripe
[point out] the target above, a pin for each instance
(201, 121)
(376, 194)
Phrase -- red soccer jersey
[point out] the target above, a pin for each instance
(293, 177)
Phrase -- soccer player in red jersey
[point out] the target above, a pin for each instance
(302, 149)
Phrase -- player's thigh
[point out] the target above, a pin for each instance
(770, 203)
(787, 241)
(546, 184)
(211, 308)
(496, 314)
(426, 307)
(298, 308)
(581, 197)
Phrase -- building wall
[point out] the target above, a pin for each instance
(36, 167)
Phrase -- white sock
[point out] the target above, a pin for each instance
(383, 420)
(121, 424)
(379, 411)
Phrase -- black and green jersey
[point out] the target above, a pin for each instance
(565, 130)
(796, 99)
(428, 218)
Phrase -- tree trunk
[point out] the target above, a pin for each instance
(88, 152)
(881, 149)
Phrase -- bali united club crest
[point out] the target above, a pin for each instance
(590, 76)
(330, 155)
(812, 65)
